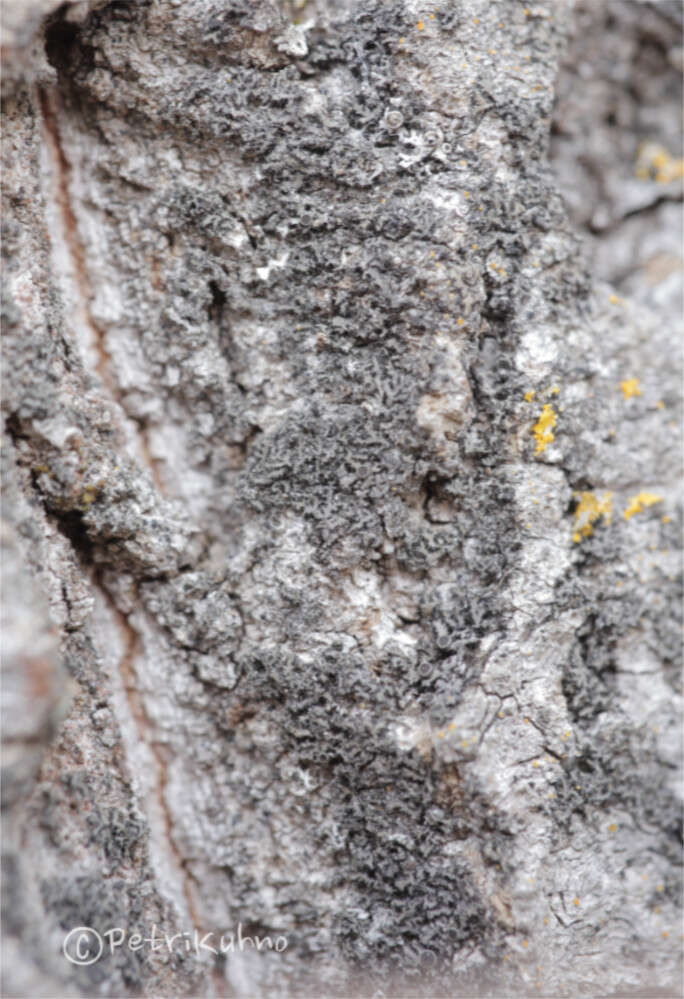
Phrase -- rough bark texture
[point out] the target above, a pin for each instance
(341, 501)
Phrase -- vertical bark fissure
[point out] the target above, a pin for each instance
(50, 104)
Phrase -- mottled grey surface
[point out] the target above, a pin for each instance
(348, 501)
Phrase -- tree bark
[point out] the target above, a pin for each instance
(341, 509)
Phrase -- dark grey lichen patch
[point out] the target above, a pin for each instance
(197, 610)
(334, 729)
(88, 900)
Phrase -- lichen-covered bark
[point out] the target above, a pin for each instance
(341, 502)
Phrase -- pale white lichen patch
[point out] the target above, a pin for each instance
(411, 733)
(263, 273)
(373, 618)
(443, 411)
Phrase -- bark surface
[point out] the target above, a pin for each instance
(342, 498)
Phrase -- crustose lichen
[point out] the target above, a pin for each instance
(543, 428)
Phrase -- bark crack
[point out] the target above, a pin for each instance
(49, 102)
(156, 804)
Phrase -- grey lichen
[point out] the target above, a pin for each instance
(342, 673)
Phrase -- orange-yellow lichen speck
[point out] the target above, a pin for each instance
(635, 504)
(588, 511)
(420, 26)
(654, 162)
(529, 395)
(630, 387)
(543, 429)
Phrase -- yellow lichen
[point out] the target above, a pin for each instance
(630, 387)
(588, 511)
(543, 428)
(654, 162)
(635, 504)
(529, 395)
